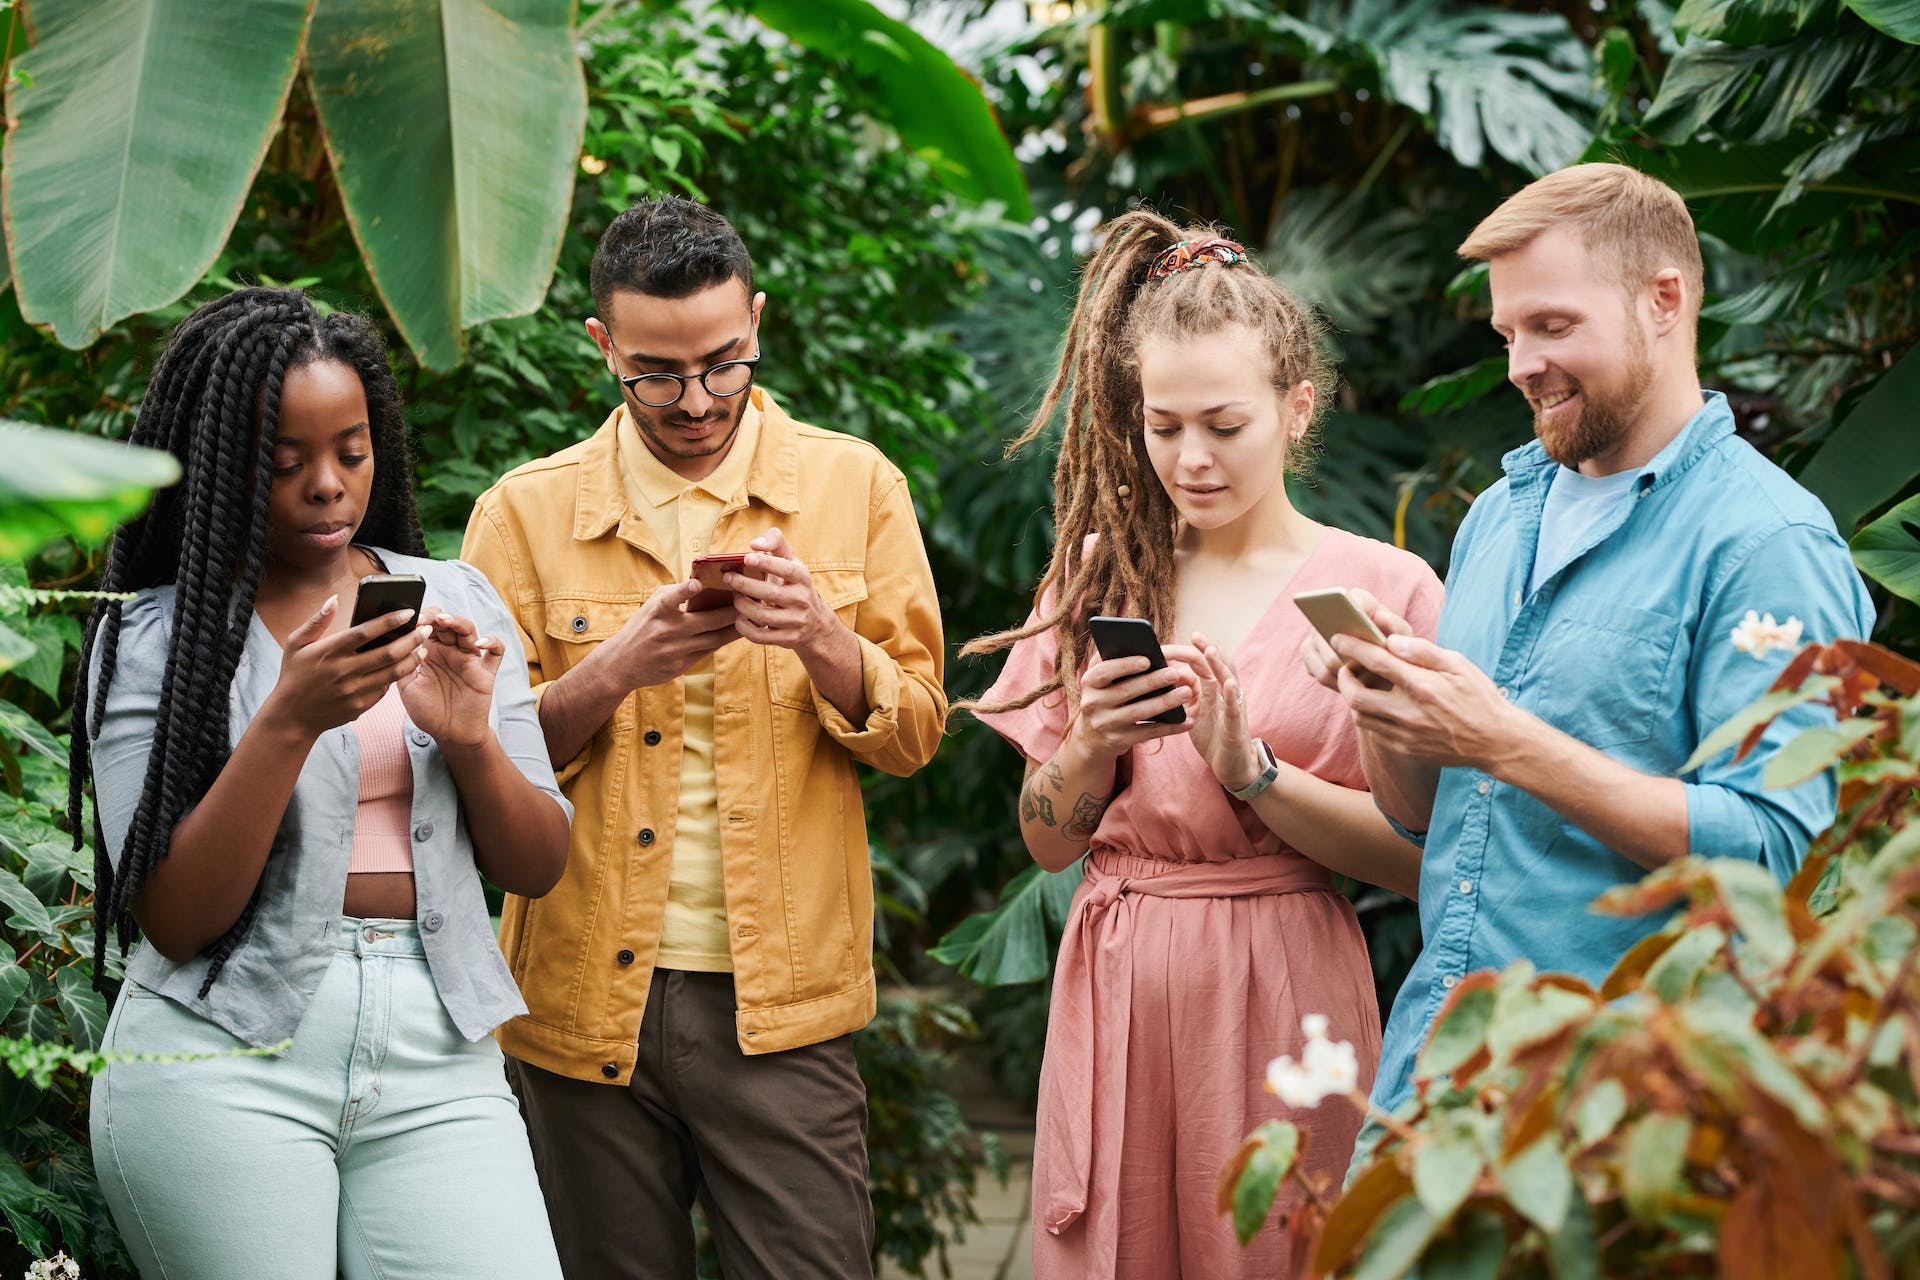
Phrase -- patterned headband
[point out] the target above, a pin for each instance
(1191, 253)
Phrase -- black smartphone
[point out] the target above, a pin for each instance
(384, 593)
(1134, 638)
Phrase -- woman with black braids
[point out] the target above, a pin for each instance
(296, 826)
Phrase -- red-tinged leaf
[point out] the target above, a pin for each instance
(1747, 725)
(1652, 1161)
(1568, 982)
(1800, 888)
(1628, 974)
(1797, 670)
(1765, 1235)
(1460, 1028)
(1380, 1185)
(1866, 1249)
(1230, 1176)
(1813, 751)
(1891, 669)
(1528, 1122)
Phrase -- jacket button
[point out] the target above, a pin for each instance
(421, 738)
(653, 737)
(432, 921)
(646, 836)
(610, 1071)
(423, 832)
(625, 956)
(579, 623)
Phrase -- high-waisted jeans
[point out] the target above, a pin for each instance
(382, 1145)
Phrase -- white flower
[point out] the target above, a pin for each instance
(1759, 635)
(58, 1267)
(1326, 1068)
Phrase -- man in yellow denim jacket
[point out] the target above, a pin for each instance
(693, 982)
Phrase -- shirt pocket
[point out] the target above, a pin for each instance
(576, 626)
(842, 587)
(1605, 670)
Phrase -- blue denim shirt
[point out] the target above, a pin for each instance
(1627, 648)
(272, 975)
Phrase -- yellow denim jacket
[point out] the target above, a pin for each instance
(572, 562)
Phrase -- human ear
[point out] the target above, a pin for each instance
(601, 339)
(1667, 300)
(1300, 404)
(759, 301)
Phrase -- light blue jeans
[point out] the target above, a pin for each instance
(382, 1146)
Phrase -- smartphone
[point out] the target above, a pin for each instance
(384, 593)
(706, 571)
(1134, 638)
(1333, 613)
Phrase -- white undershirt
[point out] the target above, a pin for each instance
(1575, 504)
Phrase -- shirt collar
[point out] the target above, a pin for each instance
(773, 472)
(1713, 423)
(652, 481)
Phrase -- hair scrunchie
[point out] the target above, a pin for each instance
(1176, 258)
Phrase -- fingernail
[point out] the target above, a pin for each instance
(331, 601)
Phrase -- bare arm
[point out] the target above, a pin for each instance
(1064, 798)
(519, 834)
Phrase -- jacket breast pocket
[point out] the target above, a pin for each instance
(842, 587)
(1607, 672)
(576, 624)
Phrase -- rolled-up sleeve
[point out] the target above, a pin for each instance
(902, 648)
(1800, 571)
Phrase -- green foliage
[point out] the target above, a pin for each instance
(451, 125)
(923, 1160)
(1742, 1094)
(937, 108)
(58, 485)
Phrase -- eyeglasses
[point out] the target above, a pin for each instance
(661, 390)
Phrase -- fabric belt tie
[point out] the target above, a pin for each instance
(1100, 927)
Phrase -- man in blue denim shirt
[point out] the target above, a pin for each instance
(1585, 647)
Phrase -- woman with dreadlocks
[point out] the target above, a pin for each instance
(298, 826)
(1208, 925)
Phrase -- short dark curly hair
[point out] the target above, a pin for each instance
(668, 248)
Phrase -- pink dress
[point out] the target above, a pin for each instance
(1195, 945)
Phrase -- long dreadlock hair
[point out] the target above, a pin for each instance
(1104, 482)
(214, 404)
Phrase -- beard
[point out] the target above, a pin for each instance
(1604, 415)
(660, 428)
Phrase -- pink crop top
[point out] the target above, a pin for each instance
(381, 840)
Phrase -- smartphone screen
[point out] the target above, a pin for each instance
(383, 593)
(1134, 638)
(1333, 613)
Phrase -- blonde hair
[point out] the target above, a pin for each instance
(1114, 524)
(1633, 226)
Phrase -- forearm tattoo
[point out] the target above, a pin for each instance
(1043, 787)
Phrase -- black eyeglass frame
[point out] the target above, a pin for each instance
(628, 380)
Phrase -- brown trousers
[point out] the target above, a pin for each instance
(773, 1146)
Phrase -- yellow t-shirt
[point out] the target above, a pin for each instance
(681, 514)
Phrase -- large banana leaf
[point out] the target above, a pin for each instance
(1874, 452)
(1014, 942)
(135, 127)
(938, 109)
(56, 483)
(454, 128)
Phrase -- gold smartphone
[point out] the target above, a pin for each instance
(1333, 613)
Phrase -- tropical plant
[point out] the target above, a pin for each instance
(1741, 1096)
(450, 129)
(55, 485)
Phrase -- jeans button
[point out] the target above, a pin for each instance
(646, 836)
(367, 933)
(432, 921)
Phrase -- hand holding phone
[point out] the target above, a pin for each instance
(383, 593)
(1334, 612)
(1134, 638)
(708, 571)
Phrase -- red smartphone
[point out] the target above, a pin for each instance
(706, 571)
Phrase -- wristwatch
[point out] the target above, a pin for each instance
(1269, 770)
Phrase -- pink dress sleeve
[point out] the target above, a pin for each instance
(1037, 728)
